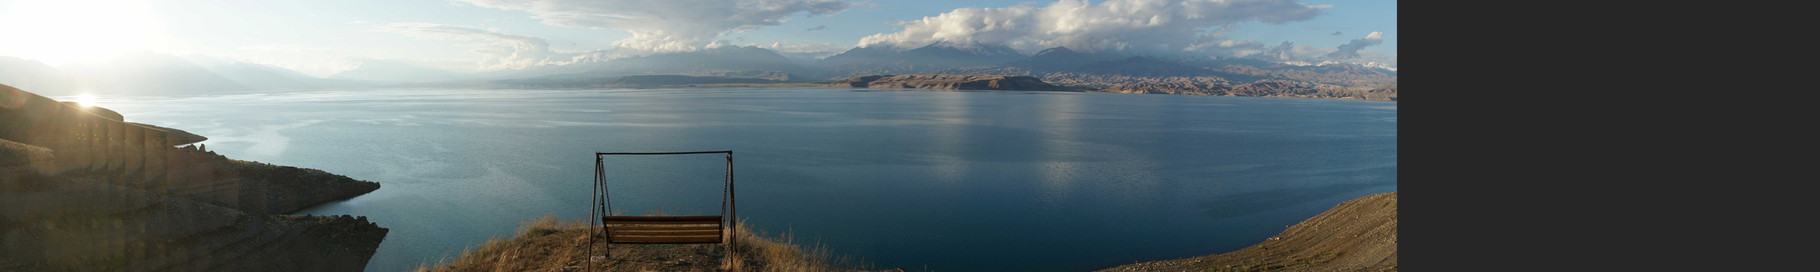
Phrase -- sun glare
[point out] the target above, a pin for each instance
(64, 31)
(85, 100)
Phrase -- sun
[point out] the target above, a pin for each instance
(64, 31)
(84, 100)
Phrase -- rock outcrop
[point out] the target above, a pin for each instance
(1357, 235)
(83, 191)
(950, 82)
(175, 137)
(80, 222)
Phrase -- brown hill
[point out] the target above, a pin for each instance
(80, 191)
(1357, 235)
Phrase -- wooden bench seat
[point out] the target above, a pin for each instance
(705, 229)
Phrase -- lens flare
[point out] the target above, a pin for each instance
(85, 100)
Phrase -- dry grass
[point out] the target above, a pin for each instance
(547, 244)
(762, 253)
(533, 241)
(1356, 235)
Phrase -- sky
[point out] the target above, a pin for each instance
(321, 37)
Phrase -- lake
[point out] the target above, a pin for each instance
(944, 181)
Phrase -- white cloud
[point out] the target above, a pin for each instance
(317, 61)
(1350, 50)
(498, 50)
(289, 48)
(666, 25)
(1288, 52)
(806, 51)
(784, 47)
(1152, 26)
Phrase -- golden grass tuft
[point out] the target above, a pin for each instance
(758, 252)
(531, 243)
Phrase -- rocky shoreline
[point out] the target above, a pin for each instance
(1341, 88)
(82, 190)
(1282, 89)
(1175, 86)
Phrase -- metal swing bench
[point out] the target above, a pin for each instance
(697, 229)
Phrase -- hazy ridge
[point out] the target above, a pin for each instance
(157, 74)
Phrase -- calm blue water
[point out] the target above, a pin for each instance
(944, 181)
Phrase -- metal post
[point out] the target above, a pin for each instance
(592, 199)
(732, 203)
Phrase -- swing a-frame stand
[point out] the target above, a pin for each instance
(690, 229)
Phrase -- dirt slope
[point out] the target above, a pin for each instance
(547, 245)
(1356, 235)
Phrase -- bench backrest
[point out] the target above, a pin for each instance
(704, 229)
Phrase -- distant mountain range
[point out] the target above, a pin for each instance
(392, 71)
(266, 77)
(145, 73)
(926, 59)
(28, 74)
(150, 73)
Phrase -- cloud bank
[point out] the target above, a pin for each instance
(803, 51)
(1290, 52)
(1147, 26)
(666, 25)
(1350, 50)
(498, 50)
